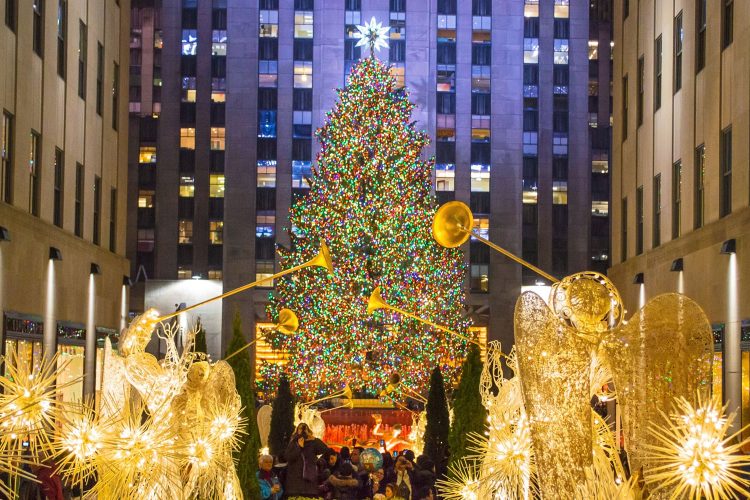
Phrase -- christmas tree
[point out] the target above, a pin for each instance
(246, 457)
(438, 424)
(370, 201)
(469, 415)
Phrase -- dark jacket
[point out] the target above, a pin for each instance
(344, 488)
(302, 471)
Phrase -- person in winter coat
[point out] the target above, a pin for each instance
(270, 487)
(302, 456)
(345, 485)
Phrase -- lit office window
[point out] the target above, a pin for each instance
(147, 154)
(480, 178)
(301, 172)
(187, 138)
(145, 199)
(445, 175)
(266, 176)
(216, 232)
(216, 186)
(189, 42)
(303, 24)
(562, 8)
(188, 89)
(302, 74)
(218, 135)
(530, 50)
(185, 231)
(219, 42)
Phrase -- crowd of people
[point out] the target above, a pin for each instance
(309, 469)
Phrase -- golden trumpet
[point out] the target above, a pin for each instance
(288, 324)
(453, 225)
(376, 302)
(322, 259)
(345, 392)
(408, 391)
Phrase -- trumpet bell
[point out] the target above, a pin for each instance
(288, 322)
(348, 392)
(376, 301)
(452, 224)
(323, 259)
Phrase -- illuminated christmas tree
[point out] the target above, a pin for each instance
(370, 202)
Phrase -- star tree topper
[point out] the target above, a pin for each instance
(374, 34)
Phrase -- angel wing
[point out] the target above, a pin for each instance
(553, 365)
(663, 352)
(264, 423)
(115, 385)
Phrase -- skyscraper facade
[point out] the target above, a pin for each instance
(226, 95)
(680, 196)
(63, 181)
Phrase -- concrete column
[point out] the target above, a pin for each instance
(732, 366)
(89, 360)
(49, 340)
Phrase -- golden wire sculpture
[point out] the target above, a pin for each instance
(463, 482)
(664, 351)
(693, 455)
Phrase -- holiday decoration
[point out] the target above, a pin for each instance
(370, 202)
(469, 414)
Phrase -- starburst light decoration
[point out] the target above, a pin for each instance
(373, 34)
(694, 456)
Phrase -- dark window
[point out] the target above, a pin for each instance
(676, 198)
(725, 159)
(625, 9)
(530, 120)
(480, 153)
(62, 28)
(700, 35)
(112, 219)
(268, 48)
(481, 54)
(35, 173)
(302, 100)
(115, 95)
(657, 72)
(481, 103)
(656, 227)
(266, 149)
(446, 103)
(624, 113)
(188, 65)
(398, 5)
(38, 11)
(624, 231)
(190, 18)
(560, 168)
(82, 52)
(445, 152)
(446, 6)
(219, 19)
(700, 193)
(531, 27)
(678, 38)
(301, 149)
(57, 198)
(398, 52)
(560, 75)
(351, 51)
(267, 98)
(187, 113)
(97, 227)
(353, 4)
(562, 28)
(10, 14)
(265, 199)
(639, 220)
(99, 78)
(560, 121)
(219, 67)
(481, 7)
(727, 21)
(641, 90)
(531, 74)
(6, 158)
(78, 229)
(269, 4)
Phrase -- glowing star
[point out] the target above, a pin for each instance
(374, 34)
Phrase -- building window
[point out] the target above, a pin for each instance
(112, 219)
(216, 232)
(96, 237)
(678, 38)
(217, 138)
(10, 14)
(624, 107)
(99, 78)
(725, 193)
(700, 35)
(147, 154)
(187, 138)
(184, 273)
(115, 95)
(78, 227)
(57, 198)
(700, 193)
(266, 176)
(38, 40)
(185, 231)
(145, 199)
(624, 230)
(676, 198)
(657, 72)
(639, 220)
(625, 9)
(216, 186)
(6, 158)
(82, 50)
(656, 228)
(303, 24)
(187, 186)
(35, 180)
(62, 28)
(302, 74)
(641, 90)
(727, 21)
